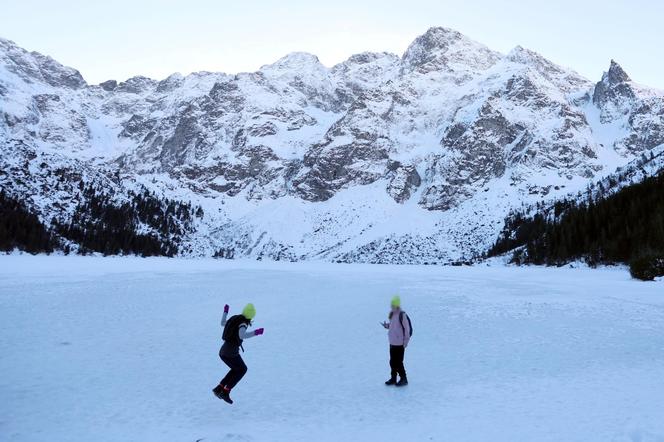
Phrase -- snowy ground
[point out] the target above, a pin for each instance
(118, 349)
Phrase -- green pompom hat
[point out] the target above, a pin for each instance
(249, 311)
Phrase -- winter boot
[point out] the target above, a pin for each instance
(402, 382)
(225, 395)
(222, 393)
(217, 390)
(391, 381)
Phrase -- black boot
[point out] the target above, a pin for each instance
(391, 381)
(402, 382)
(226, 395)
(222, 393)
(217, 390)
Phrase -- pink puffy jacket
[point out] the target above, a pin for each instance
(398, 334)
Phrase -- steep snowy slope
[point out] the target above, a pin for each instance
(380, 158)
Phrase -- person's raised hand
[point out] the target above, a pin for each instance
(259, 331)
(226, 308)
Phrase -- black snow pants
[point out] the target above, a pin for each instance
(396, 361)
(237, 370)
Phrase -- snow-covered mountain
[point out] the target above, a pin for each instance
(380, 158)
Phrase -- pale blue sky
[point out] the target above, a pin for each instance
(119, 39)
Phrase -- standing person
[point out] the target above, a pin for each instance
(235, 331)
(399, 332)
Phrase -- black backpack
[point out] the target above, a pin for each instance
(410, 324)
(232, 329)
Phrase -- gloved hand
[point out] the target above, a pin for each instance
(259, 331)
(226, 308)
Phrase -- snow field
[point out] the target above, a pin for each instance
(125, 349)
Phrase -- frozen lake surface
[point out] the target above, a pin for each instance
(125, 349)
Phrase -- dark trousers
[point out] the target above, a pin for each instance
(396, 361)
(237, 371)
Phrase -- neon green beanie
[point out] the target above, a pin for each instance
(249, 311)
(396, 301)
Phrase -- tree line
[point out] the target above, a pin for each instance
(626, 226)
(142, 224)
(20, 229)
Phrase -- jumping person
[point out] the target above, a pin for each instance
(399, 333)
(235, 331)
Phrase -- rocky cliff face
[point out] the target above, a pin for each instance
(380, 158)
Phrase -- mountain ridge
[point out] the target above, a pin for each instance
(379, 158)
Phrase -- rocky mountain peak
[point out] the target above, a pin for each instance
(170, 83)
(35, 67)
(136, 85)
(369, 57)
(526, 56)
(297, 61)
(434, 42)
(615, 75)
(443, 49)
(434, 38)
(108, 85)
(565, 79)
(304, 73)
(613, 91)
